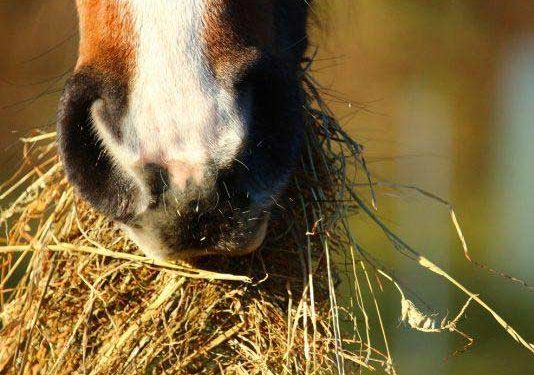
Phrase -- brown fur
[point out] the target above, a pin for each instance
(235, 33)
(106, 38)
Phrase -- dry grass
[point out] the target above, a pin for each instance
(87, 302)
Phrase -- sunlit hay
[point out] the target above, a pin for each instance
(77, 296)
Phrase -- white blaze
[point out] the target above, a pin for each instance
(178, 114)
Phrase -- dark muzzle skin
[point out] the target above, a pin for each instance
(227, 212)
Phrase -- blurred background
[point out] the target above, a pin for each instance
(440, 93)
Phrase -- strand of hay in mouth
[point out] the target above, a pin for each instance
(76, 296)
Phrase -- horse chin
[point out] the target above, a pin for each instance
(156, 250)
(256, 241)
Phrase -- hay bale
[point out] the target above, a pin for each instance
(89, 302)
(76, 296)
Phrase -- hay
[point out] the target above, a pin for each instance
(88, 302)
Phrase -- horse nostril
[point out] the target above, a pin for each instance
(88, 165)
(156, 178)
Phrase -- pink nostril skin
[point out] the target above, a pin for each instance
(180, 172)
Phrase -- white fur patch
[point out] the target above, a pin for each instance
(178, 115)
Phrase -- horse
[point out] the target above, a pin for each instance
(183, 119)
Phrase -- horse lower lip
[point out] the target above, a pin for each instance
(261, 233)
(248, 247)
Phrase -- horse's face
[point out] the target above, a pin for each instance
(183, 118)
